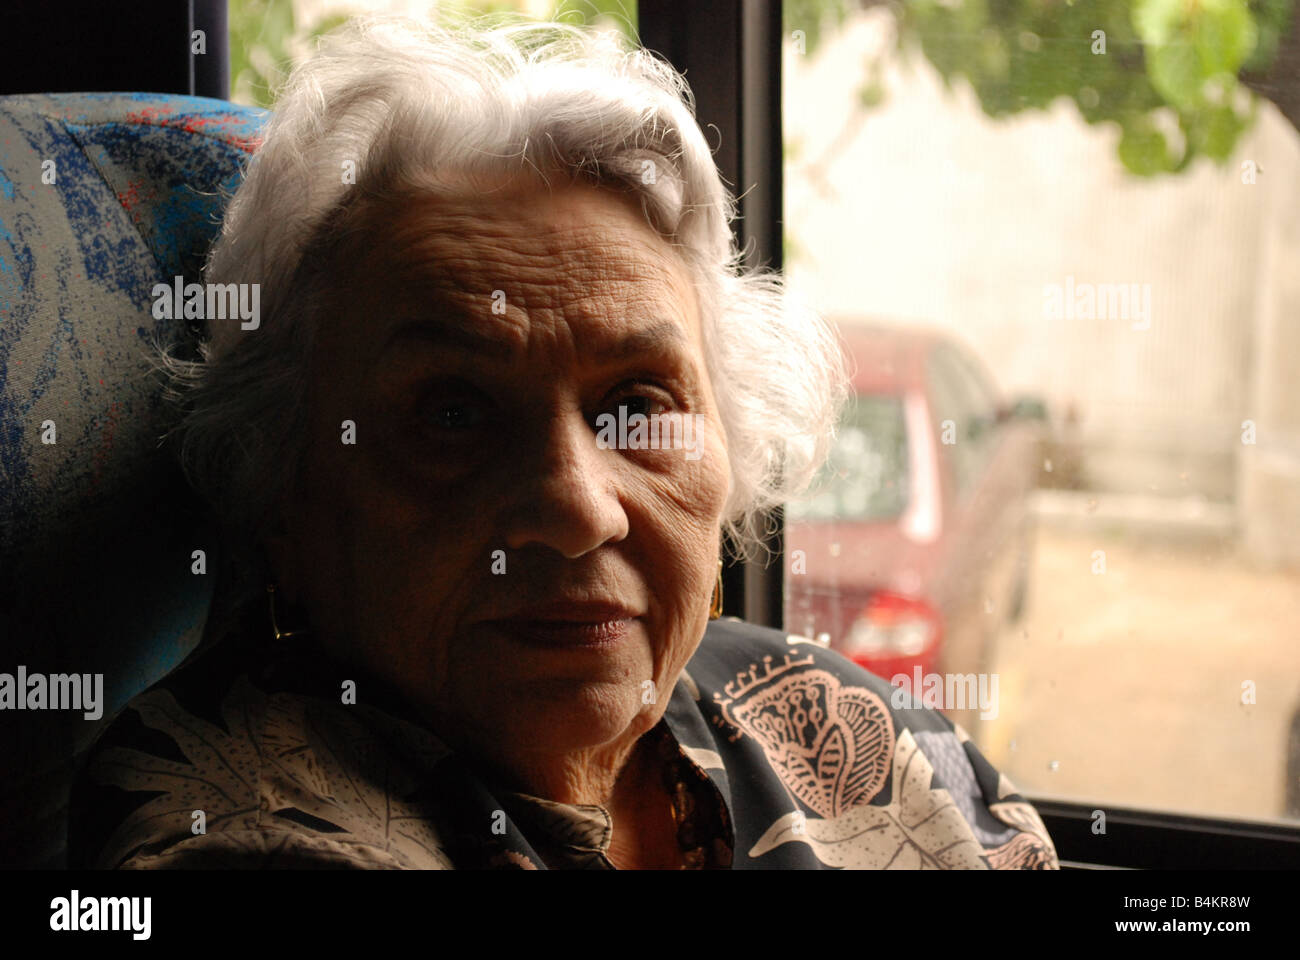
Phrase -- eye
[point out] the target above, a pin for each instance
(457, 416)
(640, 403)
(640, 398)
(453, 408)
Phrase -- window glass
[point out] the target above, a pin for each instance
(983, 393)
(957, 414)
(1093, 229)
(865, 477)
(266, 36)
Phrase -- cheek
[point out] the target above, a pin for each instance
(385, 573)
(689, 495)
(681, 510)
(418, 559)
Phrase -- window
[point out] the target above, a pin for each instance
(866, 475)
(962, 419)
(1085, 234)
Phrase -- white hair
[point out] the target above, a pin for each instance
(402, 101)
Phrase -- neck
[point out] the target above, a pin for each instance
(627, 780)
(644, 828)
(590, 776)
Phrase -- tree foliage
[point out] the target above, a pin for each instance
(1167, 72)
(265, 36)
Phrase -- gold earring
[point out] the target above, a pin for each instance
(715, 609)
(275, 625)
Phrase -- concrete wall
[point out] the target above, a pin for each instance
(1268, 472)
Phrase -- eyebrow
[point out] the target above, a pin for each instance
(452, 331)
(456, 330)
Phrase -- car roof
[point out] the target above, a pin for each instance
(887, 358)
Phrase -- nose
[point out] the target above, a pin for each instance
(568, 495)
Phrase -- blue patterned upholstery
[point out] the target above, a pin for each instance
(101, 197)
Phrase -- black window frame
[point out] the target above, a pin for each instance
(730, 53)
(148, 50)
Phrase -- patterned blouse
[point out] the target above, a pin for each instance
(791, 756)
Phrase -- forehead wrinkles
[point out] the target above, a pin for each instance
(600, 239)
(549, 261)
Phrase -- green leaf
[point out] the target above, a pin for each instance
(1175, 72)
(1272, 20)
(1225, 35)
(1143, 150)
(1157, 21)
(1222, 127)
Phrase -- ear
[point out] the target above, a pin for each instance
(282, 554)
(278, 555)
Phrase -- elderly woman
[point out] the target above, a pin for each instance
(507, 392)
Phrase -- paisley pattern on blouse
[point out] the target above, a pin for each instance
(246, 757)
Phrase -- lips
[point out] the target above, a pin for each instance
(567, 624)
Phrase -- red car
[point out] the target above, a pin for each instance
(913, 548)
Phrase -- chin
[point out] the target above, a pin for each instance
(579, 716)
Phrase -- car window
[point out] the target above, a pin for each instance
(866, 475)
(960, 419)
(984, 395)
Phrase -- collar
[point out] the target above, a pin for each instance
(578, 835)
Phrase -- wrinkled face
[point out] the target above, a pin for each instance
(481, 546)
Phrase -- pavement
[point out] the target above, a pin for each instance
(1168, 680)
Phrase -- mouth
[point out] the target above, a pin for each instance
(570, 626)
(559, 634)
